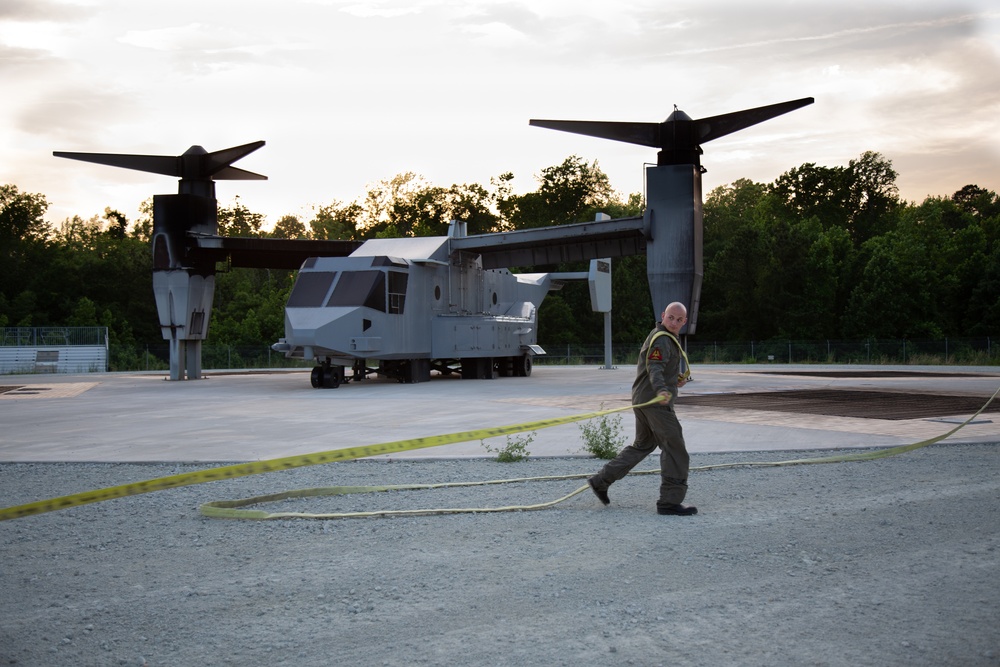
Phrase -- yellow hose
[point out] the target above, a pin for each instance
(230, 509)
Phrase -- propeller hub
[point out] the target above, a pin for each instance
(677, 115)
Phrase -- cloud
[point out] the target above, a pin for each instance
(192, 37)
(43, 10)
(551, 33)
(942, 168)
(22, 63)
(198, 49)
(792, 31)
(75, 115)
(349, 91)
(379, 10)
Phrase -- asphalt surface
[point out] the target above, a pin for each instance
(246, 416)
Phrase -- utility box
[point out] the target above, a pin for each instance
(599, 281)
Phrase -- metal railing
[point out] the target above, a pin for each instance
(55, 336)
(53, 350)
(947, 351)
(963, 351)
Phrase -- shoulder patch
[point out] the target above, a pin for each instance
(655, 354)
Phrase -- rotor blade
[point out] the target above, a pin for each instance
(719, 126)
(194, 164)
(154, 164)
(216, 161)
(644, 134)
(237, 174)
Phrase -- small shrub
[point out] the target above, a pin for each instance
(603, 436)
(515, 450)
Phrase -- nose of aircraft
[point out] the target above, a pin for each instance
(327, 329)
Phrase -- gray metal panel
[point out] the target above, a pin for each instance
(62, 359)
(412, 248)
(674, 255)
(563, 243)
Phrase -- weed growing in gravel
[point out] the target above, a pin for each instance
(603, 436)
(515, 450)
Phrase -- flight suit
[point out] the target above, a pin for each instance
(655, 426)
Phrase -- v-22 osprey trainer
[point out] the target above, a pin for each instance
(416, 305)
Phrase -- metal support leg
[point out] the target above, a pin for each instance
(607, 341)
(193, 356)
(176, 359)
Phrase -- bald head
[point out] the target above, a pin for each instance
(674, 317)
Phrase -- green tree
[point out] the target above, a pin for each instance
(558, 323)
(142, 229)
(812, 191)
(474, 205)
(289, 227)
(24, 249)
(335, 221)
(728, 208)
(503, 200)
(872, 196)
(735, 259)
(21, 217)
(118, 223)
(782, 259)
(862, 197)
(238, 220)
(729, 297)
(84, 315)
(978, 202)
(897, 295)
(376, 219)
(424, 211)
(961, 236)
(830, 267)
(632, 314)
(93, 260)
(575, 191)
(249, 307)
(569, 192)
(429, 210)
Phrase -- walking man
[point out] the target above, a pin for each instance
(658, 373)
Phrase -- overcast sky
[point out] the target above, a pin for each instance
(347, 93)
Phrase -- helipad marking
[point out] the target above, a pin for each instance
(61, 390)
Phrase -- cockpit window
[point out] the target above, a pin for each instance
(360, 288)
(397, 291)
(310, 289)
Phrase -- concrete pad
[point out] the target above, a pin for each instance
(246, 416)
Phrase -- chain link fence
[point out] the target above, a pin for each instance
(53, 350)
(213, 357)
(52, 336)
(947, 351)
(982, 351)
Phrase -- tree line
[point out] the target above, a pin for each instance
(819, 253)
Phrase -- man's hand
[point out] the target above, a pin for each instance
(665, 395)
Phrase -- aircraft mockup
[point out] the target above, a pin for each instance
(419, 304)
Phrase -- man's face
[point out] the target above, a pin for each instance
(674, 319)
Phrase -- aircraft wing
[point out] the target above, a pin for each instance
(562, 243)
(265, 253)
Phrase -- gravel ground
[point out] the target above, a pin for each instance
(889, 562)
